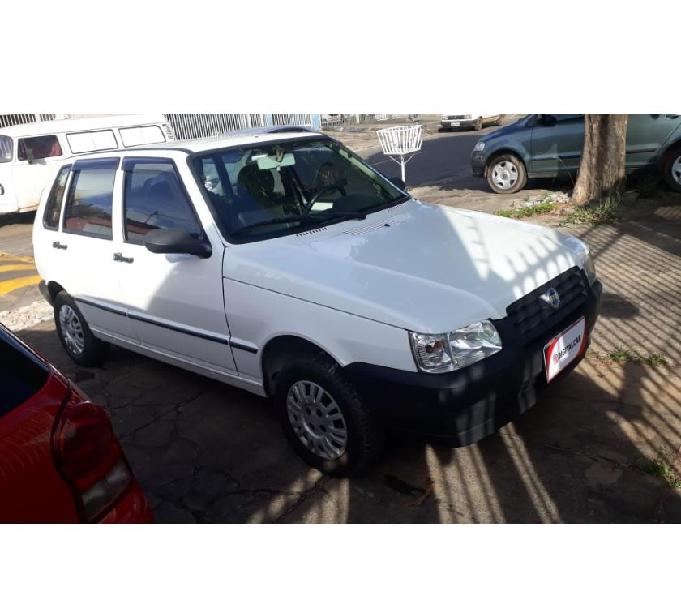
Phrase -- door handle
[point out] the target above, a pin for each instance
(59, 246)
(118, 257)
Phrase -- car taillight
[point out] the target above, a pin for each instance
(88, 456)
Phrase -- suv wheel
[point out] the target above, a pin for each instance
(506, 174)
(324, 418)
(74, 333)
(672, 169)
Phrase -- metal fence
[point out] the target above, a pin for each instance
(332, 121)
(9, 120)
(200, 125)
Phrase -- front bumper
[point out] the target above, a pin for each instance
(478, 162)
(462, 407)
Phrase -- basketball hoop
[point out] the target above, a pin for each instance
(400, 143)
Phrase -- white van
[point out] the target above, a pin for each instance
(282, 263)
(28, 153)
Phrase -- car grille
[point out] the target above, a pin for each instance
(531, 318)
(456, 116)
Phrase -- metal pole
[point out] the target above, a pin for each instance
(403, 164)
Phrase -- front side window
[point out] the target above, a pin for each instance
(6, 148)
(276, 189)
(54, 200)
(90, 198)
(155, 199)
(37, 148)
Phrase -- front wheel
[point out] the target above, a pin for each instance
(672, 169)
(506, 174)
(324, 417)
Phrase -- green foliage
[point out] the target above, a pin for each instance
(527, 211)
(623, 355)
(659, 468)
(597, 213)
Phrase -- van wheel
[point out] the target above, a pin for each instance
(324, 418)
(672, 169)
(506, 174)
(74, 333)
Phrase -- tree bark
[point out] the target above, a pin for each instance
(601, 171)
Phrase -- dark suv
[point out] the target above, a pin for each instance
(551, 145)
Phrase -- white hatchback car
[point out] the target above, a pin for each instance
(281, 263)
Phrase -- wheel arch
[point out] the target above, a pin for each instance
(507, 150)
(278, 348)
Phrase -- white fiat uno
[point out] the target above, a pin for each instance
(279, 262)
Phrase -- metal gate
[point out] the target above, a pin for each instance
(9, 120)
(201, 125)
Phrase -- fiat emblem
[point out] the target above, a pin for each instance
(551, 298)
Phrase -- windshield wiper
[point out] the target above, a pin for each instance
(315, 219)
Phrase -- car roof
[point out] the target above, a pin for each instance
(83, 124)
(245, 137)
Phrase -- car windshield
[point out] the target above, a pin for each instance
(270, 190)
(6, 148)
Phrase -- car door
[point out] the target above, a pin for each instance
(175, 301)
(85, 245)
(557, 143)
(35, 161)
(646, 136)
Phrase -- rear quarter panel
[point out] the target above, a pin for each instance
(31, 489)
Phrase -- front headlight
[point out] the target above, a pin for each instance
(440, 353)
(479, 147)
(583, 254)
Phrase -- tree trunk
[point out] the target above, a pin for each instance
(601, 171)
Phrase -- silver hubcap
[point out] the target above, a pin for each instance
(676, 170)
(71, 329)
(317, 420)
(505, 174)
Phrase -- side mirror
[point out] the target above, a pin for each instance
(548, 120)
(176, 241)
(398, 181)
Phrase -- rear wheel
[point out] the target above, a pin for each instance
(672, 169)
(324, 417)
(74, 333)
(506, 174)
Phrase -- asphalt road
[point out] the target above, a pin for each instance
(443, 157)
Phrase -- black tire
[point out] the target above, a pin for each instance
(520, 182)
(478, 125)
(670, 168)
(365, 439)
(94, 351)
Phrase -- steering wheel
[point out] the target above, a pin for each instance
(322, 192)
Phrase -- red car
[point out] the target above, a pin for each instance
(60, 461)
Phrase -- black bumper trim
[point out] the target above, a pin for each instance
(462, 407)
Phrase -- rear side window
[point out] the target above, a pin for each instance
(155, 199)
(90, 198)
(54, 200)
(35, 148)
(138, 136)
(91, 141)
(21, 372)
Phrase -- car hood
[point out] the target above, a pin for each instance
(417, 266)
(520, 124)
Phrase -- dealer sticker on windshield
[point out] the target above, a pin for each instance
(565, 348)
